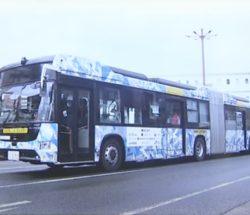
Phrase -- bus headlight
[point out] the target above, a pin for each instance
(45, 145)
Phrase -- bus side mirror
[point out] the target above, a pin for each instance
(51, 93)
(43, 88)
(48, 73)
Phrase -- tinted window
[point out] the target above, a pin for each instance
(21, 75)
(132, 107)
(174, 113)
(150, 111)
(192, 111)
(248, 119)
(109, 103)
(198, 112)
(230, 119)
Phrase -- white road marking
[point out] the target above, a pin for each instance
(30, 166)
(8, 209)
(164, 203)
(14, 204)
(71, 178)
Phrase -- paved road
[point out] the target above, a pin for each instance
(215, 186)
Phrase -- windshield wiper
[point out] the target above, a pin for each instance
(10, 111)
(17, 106)
(7, 118)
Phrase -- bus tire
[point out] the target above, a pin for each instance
(199, 149)
(111, 155)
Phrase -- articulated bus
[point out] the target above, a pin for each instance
(67, 110)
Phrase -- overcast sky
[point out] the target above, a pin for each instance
(146, 36)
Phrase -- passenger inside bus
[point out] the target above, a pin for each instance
(68, 120)
(83, 132)
(175, 119)
(83, 113)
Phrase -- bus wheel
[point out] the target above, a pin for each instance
(111, 155)
(199, 149)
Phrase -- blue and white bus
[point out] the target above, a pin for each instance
(68, 110)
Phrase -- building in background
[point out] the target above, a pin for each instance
(237, 84)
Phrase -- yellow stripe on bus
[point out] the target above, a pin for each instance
(175, 91)
(240, 104)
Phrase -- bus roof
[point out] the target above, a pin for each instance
(172, 83)
(84, 68)
(47, 59)
(129, 73)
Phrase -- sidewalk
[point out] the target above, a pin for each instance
(243, 209)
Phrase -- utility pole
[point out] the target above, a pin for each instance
(202, 36)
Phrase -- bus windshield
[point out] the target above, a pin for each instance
(23, 103)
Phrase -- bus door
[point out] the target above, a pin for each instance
(74, 132)
(240, 130)
(175, 123)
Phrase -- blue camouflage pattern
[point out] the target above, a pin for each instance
(248, 141)
(48, 133)
(85, 68)
(235, 141)
(156, 143)
(229, 100)
(191, 135)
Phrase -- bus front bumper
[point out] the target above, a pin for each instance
(20, 155)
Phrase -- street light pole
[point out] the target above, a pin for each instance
(202, 36)
(203, 58)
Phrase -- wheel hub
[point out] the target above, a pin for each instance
(199, 149)
(111, 155)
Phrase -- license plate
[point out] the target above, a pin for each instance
(15, 130)
(13, 155)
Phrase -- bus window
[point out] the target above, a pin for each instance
(174, 113)
(155, 109)
(204, 114)
(161, 111)
(230, 119)
(132, 107)
(192, 111)
(83, 120)
(198, 112)
(239, 120)
(150, 109)
(68, 119)
(109, 104)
